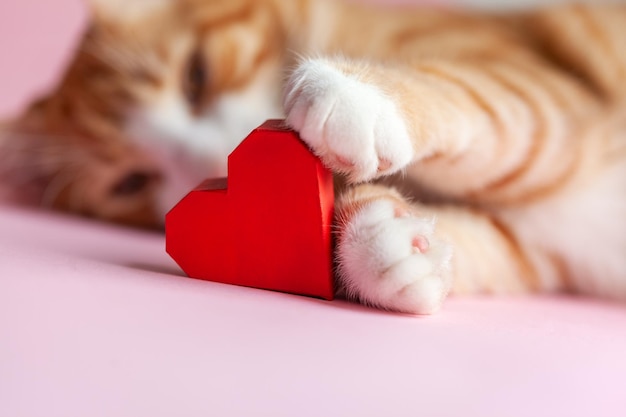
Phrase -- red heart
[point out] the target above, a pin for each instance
(269, 228)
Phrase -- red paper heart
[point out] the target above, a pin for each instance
(267, 226)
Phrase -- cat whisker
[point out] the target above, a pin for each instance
(11, 168)
(37, 149)
(18, 177)
(22, 164)
(21, 173)
(56, 186)
(33, 135)
(29, 159)
(76, 200)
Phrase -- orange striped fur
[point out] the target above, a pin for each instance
(516, 126)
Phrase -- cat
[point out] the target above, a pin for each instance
(474, 153)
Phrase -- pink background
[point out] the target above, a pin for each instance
(97, 321)
(35, 39)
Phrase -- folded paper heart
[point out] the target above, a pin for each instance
(268, 225)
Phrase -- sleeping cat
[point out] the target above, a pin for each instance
(475, 153)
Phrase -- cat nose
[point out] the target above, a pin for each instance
(135, 182)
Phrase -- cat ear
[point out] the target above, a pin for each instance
(127, 11)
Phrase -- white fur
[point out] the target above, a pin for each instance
(352, 126)
(192, 148)
(379, 265)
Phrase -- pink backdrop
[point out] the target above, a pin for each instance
(35, 36)
(97, 321)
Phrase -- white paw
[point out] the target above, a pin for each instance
(391, 259)
(352, 126)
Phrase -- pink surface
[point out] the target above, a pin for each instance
(97, 321)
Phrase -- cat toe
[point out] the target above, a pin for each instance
(393, 260)
(352, 126)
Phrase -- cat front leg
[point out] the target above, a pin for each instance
(367, 120)
(493, 130)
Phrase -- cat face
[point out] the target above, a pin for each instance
(156, 97)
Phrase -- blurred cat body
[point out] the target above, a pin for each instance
(475, 153)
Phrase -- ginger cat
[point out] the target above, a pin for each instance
(476, 153)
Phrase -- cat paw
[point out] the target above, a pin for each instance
(352, 126)
(391, 259)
